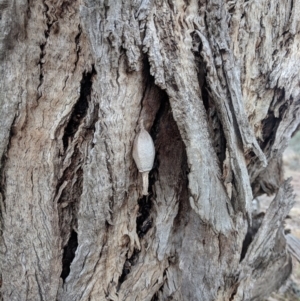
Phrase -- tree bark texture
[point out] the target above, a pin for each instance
(217, 85)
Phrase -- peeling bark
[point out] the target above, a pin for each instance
(216, 86)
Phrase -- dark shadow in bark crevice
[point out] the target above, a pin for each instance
(68, 201)
(69, 187)
(167, 139)
(267, 180)
(271, 122)
(80, 108)
(144, 220)
(252, 230)
(77, 43)
(270, 125)
(143, 224)
(166, 169)
(160, 290)
(151, 114)
(78, 135)
(68, 255)
(129, 263)
(40, 64)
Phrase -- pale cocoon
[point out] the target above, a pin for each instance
(143, 154)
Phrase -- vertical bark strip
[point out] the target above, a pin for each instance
(267, 252)
(216, 85)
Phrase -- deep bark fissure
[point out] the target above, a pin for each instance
(171, 146)
(144, 221)
(155, 297)
(40, 64)
(69, 254)
(128, 264)
(246, 243)
(42, 47)
(78, 48)
(205, 92)
(49, 22)
(145, 215)
(184, 206)
(163, 108)
(70, 185)
(160, 290)
(270, 125)
(252, 230)
(80, 108)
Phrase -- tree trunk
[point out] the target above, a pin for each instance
(216, 83)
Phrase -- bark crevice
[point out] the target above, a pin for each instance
(68, 195)
(144, 220)
(68, 255)
(271, 123)
(40, 64)
(252, 230)
(49, 23)
(78, 136)
(78, 48)
(267, 255)
(215, 125)
(128, 264)
(80, 108)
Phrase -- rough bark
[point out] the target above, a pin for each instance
(293, 245)
(216, 85)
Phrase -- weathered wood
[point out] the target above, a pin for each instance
(267, 252)
(216, 85)
(293, 244)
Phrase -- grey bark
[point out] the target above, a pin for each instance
(216, 83)
(293, 245)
